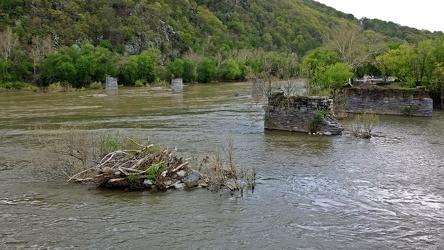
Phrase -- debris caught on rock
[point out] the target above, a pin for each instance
(152, 168)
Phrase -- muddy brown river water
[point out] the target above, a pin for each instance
(312, 192)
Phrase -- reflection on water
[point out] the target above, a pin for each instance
(312, 192)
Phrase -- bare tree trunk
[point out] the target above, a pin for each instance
(8, 40)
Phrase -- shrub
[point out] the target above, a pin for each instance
(60, 87)
(17, 85)
(316, 120)
(140, 83)
(206, 70)
(161, 83)
(8, 85)
(96, 85)
(363, 125)
(230, 70)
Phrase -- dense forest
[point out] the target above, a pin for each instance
(80, 42)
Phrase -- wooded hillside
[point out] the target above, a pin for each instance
(97, 38)
(176, 27)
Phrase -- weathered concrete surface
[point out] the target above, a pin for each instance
(111, 84)
(412, 102)
(177, 85)
(296, 113)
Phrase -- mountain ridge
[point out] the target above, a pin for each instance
(177, 27)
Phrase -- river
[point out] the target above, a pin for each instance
(312, 192)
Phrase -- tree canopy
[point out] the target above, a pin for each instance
(79, 42)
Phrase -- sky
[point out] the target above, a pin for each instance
(423, 14)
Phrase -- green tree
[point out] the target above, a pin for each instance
(314, 65)
(20, 66)
(85, 68)
(142, 67)
(437, 53)
(5, 76)
(437, 82)
(334, 77)
(6, 6)
(398, 63)
(107, 45)
(182, 68)
(128, 73)
(423, 62)
(175, 69)
(104, 64)
(85, 65)
(189, 70)
(230, 70)
(57, 67)
(147, 63)
(206, 70)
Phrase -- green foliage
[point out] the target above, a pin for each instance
(206, 70)
(140, 67)
(182, 68)
(175, 69)
(334, 77)
(96, 85)
(140, 83)
(314, 65)
(16, 68)
(189, 70)
(395, 31)
(60, 87)
(107, 45)
(7, 6)
(369, 69)
(229, 70)
(77, 66)
(134, 178)
(87, 40)
(147, 62)
(17, 86)
(202, 26)
(58, 67)
(109, 143)
(388, 29)
(317, 119)
(363, 124)
(155, 170)
(396, 62)
(437, 82)
(128, 71)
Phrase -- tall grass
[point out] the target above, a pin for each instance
(363, 124)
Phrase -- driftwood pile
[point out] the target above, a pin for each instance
(152, 168)
(141, 169)
(145, 168)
